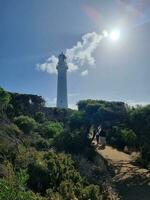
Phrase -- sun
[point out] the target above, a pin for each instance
(115, 35)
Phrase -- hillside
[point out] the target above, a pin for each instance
(46, 153)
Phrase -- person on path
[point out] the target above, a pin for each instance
(98, 131)
(102, 137)
(95, 128)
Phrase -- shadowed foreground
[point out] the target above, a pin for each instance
(131, 182)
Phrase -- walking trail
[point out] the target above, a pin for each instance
(131, 181)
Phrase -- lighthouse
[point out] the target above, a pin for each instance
(62, 98)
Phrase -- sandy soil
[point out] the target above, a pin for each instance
(131, 181)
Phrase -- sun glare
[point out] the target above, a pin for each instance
(115, 35)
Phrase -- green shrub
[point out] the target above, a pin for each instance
(4, 99)
(50, 129)
(25, 123)
(39, 117)
(14, 188)
(74, 142)
(129, 137)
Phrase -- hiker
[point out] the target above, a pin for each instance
(98, 131)
(102, 137)
(94, 133)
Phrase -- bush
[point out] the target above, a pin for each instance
(120, 137)
(129, 137)
(39, 117)
(14, 188)
(74, 142)
(39, 179)
(4, 99)
(25, 123)
(91, 192)
(50, 129)
(77, 120)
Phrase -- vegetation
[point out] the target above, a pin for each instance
(126, 126)
(32, 163)
(25, 123)
(39, 144)
(4, 99)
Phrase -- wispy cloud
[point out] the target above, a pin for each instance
(136, 103)
(80, 55)
(73, 94)
(84, 73)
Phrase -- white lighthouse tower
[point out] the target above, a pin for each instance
(62, 99)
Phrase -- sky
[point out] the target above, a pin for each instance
(32, 32)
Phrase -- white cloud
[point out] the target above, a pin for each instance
(84, 73)
(49, 66)
(137, 103)
(73, 94)
(80, 55)
(73, 106)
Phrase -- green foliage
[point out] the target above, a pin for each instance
(97, 112)
(25, 104)
(38, 177)
(9, 141)
(72, 142)
(91, 192)
(35, 156)
(25, 148)
(140, 123)
(50, 129)
(121, 137)
(129, 137)
(58, 114)
(10, 130)
(15, 188)
(56, 175)
(25, 123)
(39, 117)
(77, 120)
(26, 156)
(4, 99)
(42, 144)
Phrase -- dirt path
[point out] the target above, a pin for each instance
(131, 182)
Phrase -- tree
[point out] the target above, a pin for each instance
(75, 142)
(140, 122)
(77, 120)
(4, 99)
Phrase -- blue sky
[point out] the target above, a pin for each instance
(33, 30)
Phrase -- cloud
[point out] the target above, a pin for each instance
(73, 94)
(137, 103)
(84, 73)
(49, 66)
(73, 106)
(80, 55)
